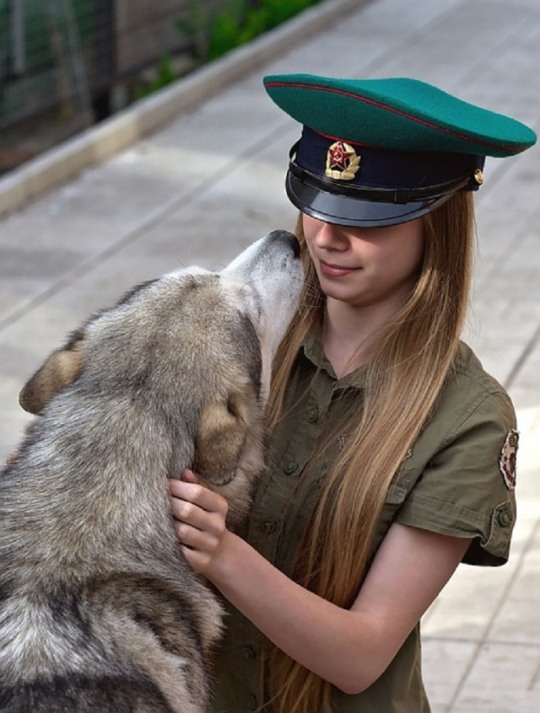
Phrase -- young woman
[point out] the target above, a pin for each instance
(392, 454)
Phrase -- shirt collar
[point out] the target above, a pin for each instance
(313, 351)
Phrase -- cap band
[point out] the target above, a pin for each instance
(384, 195)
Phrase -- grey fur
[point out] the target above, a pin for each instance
(98, 609)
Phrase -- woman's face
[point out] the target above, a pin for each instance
(365, 266)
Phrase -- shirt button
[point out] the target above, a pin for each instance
(504, 518)
(269, 526)
(253, 703)
(313, 414)
(248, 652)
(290, 467)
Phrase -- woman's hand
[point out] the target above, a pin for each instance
(200, 525)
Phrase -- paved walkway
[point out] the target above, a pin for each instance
(211, 181)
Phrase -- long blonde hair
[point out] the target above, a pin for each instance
(404, 378)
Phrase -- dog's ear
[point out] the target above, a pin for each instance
(220, 438)
(61, 369)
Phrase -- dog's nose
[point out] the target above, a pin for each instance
(287, 237)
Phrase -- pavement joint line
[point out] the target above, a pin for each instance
(503, 257)
(157, 216)
(520, 362)
(534, 678)
(516, 34)
(483, 638)
(98, 143)
(406, 41)
(490, 642)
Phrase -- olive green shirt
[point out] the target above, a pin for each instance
(457, 480)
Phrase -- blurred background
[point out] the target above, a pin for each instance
(67, 64)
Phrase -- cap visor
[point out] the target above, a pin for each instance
(344, 210)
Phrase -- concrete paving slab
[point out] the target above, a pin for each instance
(501, 680)
(445, 665)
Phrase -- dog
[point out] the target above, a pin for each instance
(99, 611)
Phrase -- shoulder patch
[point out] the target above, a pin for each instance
(507, 458)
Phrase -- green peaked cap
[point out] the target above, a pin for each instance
(399, 114)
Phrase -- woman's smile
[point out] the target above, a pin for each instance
(336, 270)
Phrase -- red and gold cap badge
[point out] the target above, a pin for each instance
(342, 162)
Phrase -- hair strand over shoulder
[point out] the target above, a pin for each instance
(404, 378)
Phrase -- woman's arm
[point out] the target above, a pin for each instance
(348, 648)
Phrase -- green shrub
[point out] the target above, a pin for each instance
(165, 75)
(242, 23)
(214, 34)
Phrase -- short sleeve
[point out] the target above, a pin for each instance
(467, 487)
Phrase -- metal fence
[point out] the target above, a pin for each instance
(53, 53)
(65, 64)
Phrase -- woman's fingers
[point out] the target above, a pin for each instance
(196, 516)
(195, 539)
(198, 495)
(189, 476)
(200, 521)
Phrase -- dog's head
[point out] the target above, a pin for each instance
(193, 347)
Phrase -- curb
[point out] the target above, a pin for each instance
(96, 144)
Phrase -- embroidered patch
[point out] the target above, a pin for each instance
(342, 162)
(507, 458)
